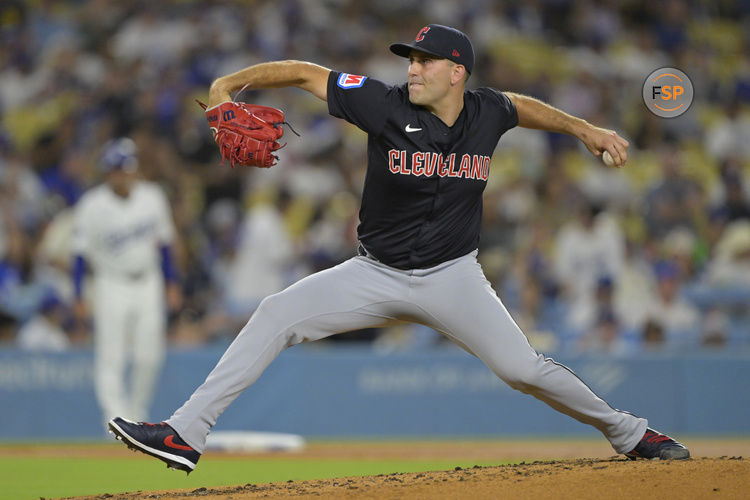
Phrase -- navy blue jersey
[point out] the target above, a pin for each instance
(422, 199)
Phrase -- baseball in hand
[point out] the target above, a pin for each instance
(607, 159)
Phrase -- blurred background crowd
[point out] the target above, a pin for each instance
(655, 256)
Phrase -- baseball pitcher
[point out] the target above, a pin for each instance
(430, 143)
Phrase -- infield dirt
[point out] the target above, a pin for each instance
(580, 479)
(611, 477)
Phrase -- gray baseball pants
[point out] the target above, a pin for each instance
(454, 298)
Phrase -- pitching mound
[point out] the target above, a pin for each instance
(725, 477)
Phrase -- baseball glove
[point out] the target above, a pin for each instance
(247, 134)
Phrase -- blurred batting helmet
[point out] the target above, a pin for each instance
(119, 154)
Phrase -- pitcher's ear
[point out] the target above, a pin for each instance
(458, 74)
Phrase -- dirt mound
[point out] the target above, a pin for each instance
(724, 477)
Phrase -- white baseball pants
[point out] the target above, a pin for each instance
(129, 343)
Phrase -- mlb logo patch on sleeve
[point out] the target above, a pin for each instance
(347, 81)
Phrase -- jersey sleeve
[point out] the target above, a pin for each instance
(360, 100)
(507, 115)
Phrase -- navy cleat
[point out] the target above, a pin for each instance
(157, 440)
(655, 445)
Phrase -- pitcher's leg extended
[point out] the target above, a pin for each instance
(470, 312)
(350, 296)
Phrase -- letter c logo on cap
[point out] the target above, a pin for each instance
(421, 34)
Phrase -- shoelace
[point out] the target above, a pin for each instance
(161, 424)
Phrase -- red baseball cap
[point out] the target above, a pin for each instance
(441, 41)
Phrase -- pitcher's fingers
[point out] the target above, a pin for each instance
(622, 154)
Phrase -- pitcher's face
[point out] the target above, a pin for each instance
(429, 78)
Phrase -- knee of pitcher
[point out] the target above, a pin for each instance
(524, 380)
(274, 307)
(521, 385)
(273, 316)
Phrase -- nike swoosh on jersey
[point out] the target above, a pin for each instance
(409, 128)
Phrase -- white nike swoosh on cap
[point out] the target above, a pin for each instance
(409, 128)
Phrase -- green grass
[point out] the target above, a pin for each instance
(34, 477)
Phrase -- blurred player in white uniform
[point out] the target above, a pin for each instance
(123, 232)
